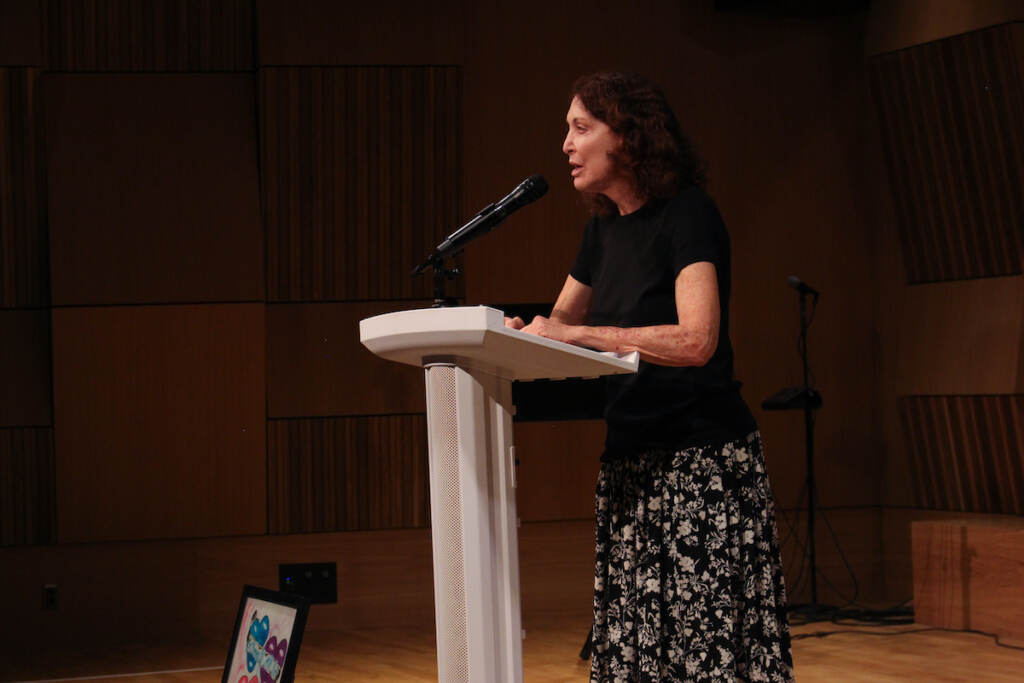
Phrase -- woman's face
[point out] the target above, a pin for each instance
(588, 145)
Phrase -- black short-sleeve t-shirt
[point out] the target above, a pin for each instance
(631, 263)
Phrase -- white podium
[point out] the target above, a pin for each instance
(470, 359)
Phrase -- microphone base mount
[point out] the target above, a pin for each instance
(436, 262)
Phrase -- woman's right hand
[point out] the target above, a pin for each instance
(515, 323)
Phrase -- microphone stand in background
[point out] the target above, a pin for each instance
(807, 399)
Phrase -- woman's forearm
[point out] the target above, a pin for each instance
(662, 344)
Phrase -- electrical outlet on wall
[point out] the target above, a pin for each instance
(317, 581)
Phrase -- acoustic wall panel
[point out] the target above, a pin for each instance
(320, 32)
(159, 421)
(951, 117)
(153, 188)
(26, 486)
(966, 452)
(24, 271)
(347, 474)
(361, 178)
(898, 24)
(25, 384)
(155, 35)
(21, 32)
(316, 365)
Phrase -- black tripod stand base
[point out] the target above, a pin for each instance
(587, 645)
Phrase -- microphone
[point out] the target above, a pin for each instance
(527, 192)
(801, 286)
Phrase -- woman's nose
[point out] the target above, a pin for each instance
(567, 143)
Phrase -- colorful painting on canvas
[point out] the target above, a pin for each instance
(261, 644)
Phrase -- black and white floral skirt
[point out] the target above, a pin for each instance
(688, 582)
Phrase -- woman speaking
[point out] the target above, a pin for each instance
(688, 582)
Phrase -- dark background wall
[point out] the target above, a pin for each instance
(200, 200)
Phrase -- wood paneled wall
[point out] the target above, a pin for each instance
(26, 388)
(24, 267)
(344, 474)
(897, 24)
(153, 188)
(344, 182)
(316, 365)
(27, 468)
(159, 421)
(153, 184)
(558, 466)
(157, 35)
(361, 178)
(386, 32)
(21, 33)
(27, 495)
(962, 337)
(952, 115)
(967, 452)
(947, 85)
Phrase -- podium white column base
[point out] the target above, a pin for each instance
(474, 525)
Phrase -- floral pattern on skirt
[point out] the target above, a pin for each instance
(688, 580)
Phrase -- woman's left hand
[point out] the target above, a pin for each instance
(546, 327)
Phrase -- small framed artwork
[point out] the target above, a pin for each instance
(265, 643)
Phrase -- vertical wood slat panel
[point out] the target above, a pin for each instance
(361, 178)
(348, 474)
(952, 119)
(24, 258)
(26, 377)
(1006, 418)
(155, 35)
(966, 452)
(913, 440)
(27, 486)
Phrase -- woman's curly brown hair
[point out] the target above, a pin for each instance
(654, 151)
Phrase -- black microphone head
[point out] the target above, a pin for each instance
(526, 192)
(534, 187)
(801, 286)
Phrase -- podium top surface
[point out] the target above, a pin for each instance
(475, 337)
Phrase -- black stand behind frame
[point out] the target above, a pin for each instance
(807, 399)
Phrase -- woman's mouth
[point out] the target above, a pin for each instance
(575, 169)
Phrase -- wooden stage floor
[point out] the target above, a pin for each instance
(550, 654)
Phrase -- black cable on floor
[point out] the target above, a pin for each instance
(851, 615)
(994, 636)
